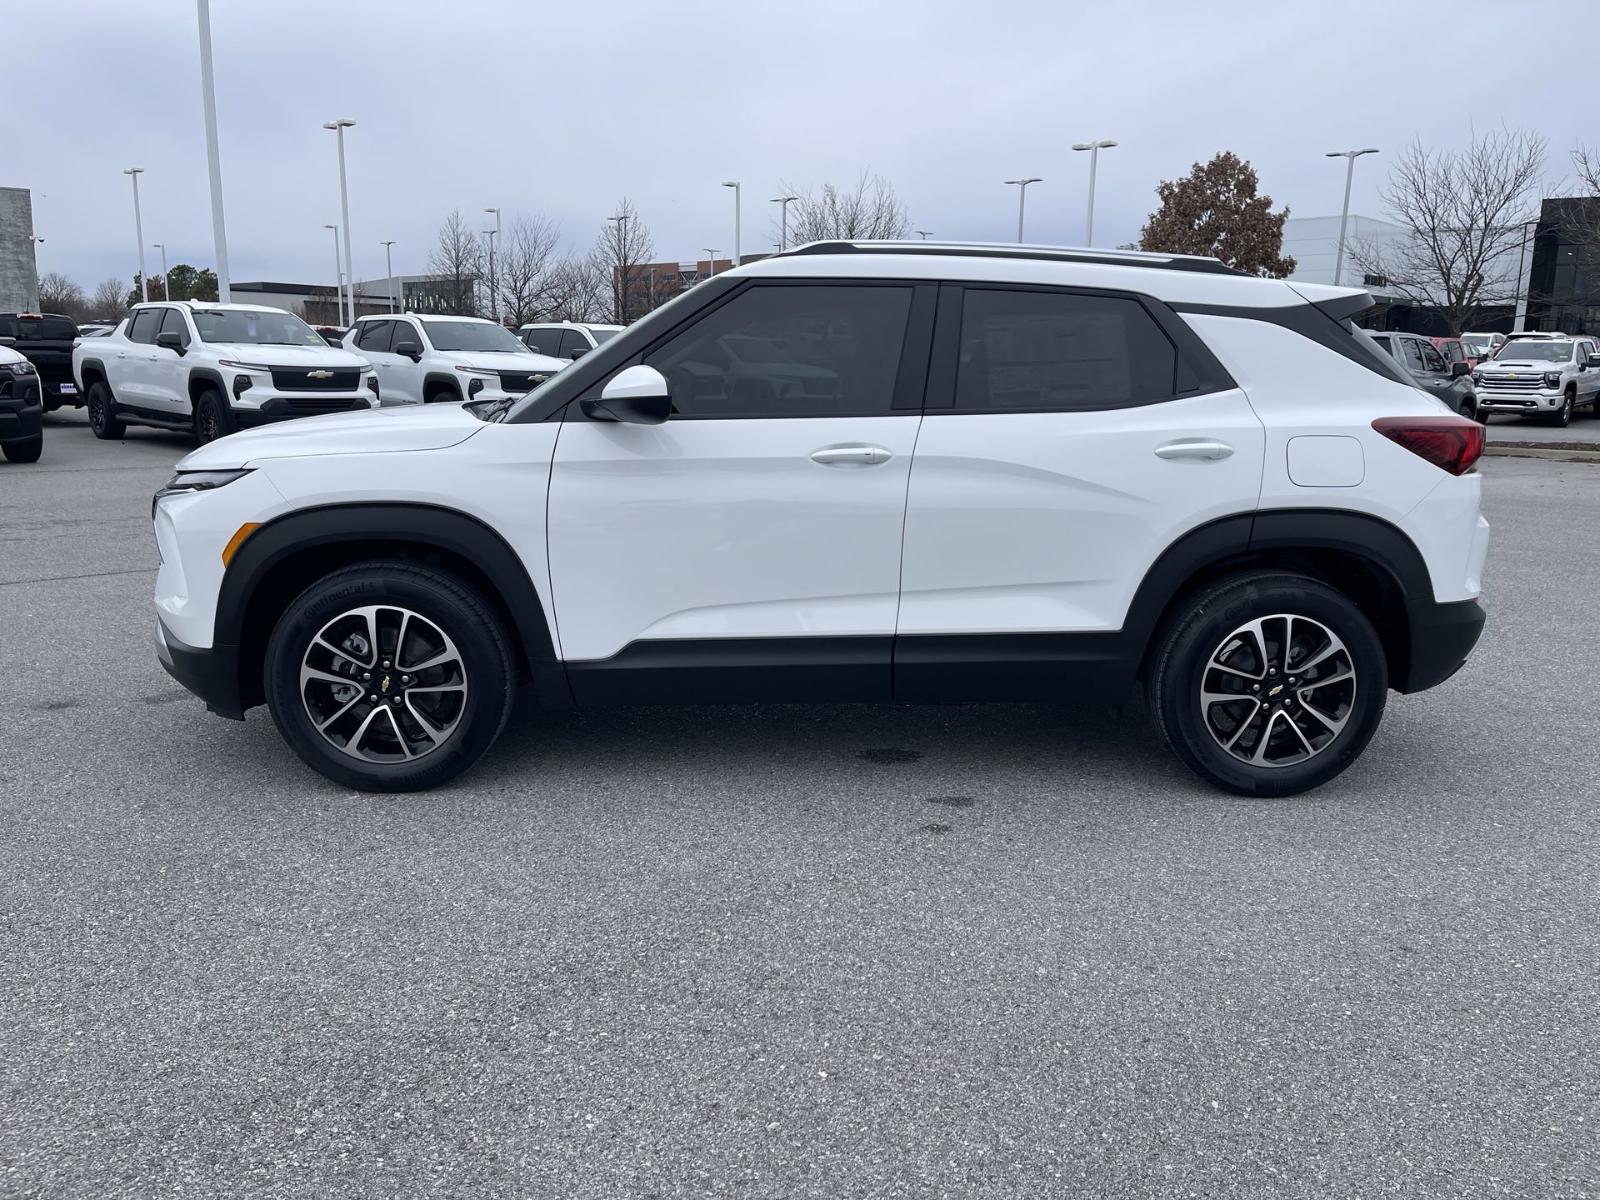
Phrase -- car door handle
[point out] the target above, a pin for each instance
(1195, 448)
(860, 456)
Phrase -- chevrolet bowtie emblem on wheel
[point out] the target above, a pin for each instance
(384, 686)
(1273, 692)
(319, 374)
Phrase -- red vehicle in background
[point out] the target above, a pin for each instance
(1454, 351)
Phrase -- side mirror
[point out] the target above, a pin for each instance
(1458, 369)
(635, 396)
(577, 352)
(1594, 360)
(412, 350)
(169, 340)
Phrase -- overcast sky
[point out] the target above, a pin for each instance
(562, 108)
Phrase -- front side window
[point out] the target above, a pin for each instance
(1452, 352)
(543, 341)
(1430, 357)
(571, 340)
(1043, 351)
(173, 322)
(602, 336)
(145, 324)
(1413, 354)
(375, 336)
(790, 350)
(247, 327)
(475, 336)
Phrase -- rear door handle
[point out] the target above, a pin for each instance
(1194, 448)
(858, 456)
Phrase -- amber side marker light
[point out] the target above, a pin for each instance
(237, 540)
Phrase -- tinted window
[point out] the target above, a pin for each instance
(602, 336)
(789, 350)
(38, 329)
(1430, 356)
(473, 335)
(145, 324)
(405, 331)
(173, 322)
(1452, 352)
(544, 341)
(1038, 350)
(571, 340)
(375, 336)
(1413, 356)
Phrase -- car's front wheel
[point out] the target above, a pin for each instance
(212, 419)
(26, 450)
(389, 676)
(1268, 684)
(103, 420)
(1562, 417)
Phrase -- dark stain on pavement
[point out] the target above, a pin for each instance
(951, 801)
(889, 755)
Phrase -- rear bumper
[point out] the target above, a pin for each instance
(1442, 636)
(212, 674)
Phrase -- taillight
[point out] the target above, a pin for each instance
(1452, 444)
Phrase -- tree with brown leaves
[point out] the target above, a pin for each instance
(1216, 210)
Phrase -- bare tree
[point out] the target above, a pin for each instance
(1581, 222)
(456, 263)
(869, 211)
(524, 269)
(579, 291)
(58, 294)
(1464, 213)
(623, 247)
(107, 302)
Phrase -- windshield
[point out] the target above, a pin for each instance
(1530, 351)
(602, 336)
(473, 335)
(38, 329)
(1476, 341)
(243, 327)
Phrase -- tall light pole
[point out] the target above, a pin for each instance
(339, 125)
(783, 237)
(922, 233)
(138, 230)
(388, 262)
(1350, 157)
(166, 287)
(619, 273)
(208, 90)
(1022, 198)
(711, 261)
(494, 290)
(338, 272)
(734, 184)
(1094, 149)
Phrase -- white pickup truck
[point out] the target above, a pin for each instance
(1541, 375)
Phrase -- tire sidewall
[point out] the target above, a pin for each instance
(1182, 665)
(462, 616)
(210, 398)
(108, 427)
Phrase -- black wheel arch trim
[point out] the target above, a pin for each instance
(373, 525)
(202, 375)
(434, 379)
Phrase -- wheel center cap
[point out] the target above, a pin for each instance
(385, 684)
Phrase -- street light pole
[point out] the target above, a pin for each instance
(1094, 149)
(388, 262)
(208, 89)
(138, 230)
(1022, 198)
(494, 289)
(339, 125)
(619, 281)
(922, 233)
(166, 286)
(783, 237)
(734, 184)
(711, 261)
(1350, 157)
(338, 274)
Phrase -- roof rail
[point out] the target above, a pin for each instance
(1110, 258)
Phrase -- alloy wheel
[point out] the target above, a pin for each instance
(383, 684)
(1278, 690)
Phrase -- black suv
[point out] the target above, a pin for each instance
(45, 340)
(1450, 382)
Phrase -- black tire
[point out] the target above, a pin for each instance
(1183, 668)
(1562, 417)
(441, 601)
(212, 419)
(24, 451)
(1469, 409)
(103, 420)
(441, 393)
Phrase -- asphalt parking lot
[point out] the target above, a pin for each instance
(830, 952)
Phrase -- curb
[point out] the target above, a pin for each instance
(1534, 450)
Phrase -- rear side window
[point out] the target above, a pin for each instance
(1041, 351)
(146, 322)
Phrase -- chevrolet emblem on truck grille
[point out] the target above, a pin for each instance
(319, 374)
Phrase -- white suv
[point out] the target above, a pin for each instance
(1541, 374)
(427, 359)
(566, 339)
(1006, 473)
(208, 369)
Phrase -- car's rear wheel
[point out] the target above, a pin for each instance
(212, 419)
(1268, 684)
(103, 420)
(26, 450)
(389, 676)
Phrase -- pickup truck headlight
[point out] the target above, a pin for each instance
(243, 366)
(21, 368)
(1552, 379)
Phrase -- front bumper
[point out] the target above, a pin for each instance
(212, 674)
(1543, 401)
(20, 409)
(261, 406)
(1441, 638)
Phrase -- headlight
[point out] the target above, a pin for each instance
(487, 371)
(1476, 378)
(21, 368)
(1552, 379)
(196, 481)
(242, 366)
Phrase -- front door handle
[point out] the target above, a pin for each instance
(1194, 448)
(851, 456)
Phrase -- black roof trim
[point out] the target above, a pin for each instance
(1204, 266)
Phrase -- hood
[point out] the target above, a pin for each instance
(309, 357)
(8, 355)
(495, 361)
(375, 431)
